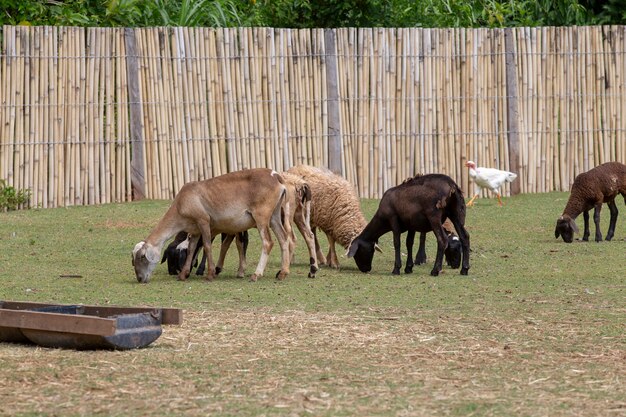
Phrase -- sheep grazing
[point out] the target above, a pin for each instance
(299, 198)
(176, 253)
(590, 190)
(231, 203)
(299, 195)
(419, 205)
(335, 209)
(453, 252)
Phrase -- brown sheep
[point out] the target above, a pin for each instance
(590, 190)
(230, 203)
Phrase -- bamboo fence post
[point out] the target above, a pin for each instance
(171, 53)
(138, 177)
(334, 123)
(513, 112)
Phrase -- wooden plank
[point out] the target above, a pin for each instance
(173, 316)
(54, 322)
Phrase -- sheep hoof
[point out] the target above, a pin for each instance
(464, 271)
(209, 278)
(181, 277)
(218, 270)
(396, 271)
(434, 272)
(408, 270)
(253, 278)
(281, 275)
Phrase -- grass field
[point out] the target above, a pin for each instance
(538, 328)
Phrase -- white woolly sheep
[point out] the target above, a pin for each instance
(335, 209)
(590, 190)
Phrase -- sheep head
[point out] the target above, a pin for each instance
(454, 251)
(363, 253)
(565, 227)
(145, 259)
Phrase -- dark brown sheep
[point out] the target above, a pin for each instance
(419, 205)
(590, 190)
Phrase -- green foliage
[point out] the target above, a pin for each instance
(11, 198)
(309, 13)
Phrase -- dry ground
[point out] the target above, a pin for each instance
(255, 362)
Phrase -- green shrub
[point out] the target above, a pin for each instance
(11, 198)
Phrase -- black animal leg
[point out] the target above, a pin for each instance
(586, 231)
(596, 220)
(613, 221)
(420, 258)
(410, 238)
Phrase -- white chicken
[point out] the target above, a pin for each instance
(489, 178)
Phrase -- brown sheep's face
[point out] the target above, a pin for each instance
(363, 253)
(565, 227)
(145, 259)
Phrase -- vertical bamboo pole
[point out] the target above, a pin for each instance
(138, 177)
(513, 112)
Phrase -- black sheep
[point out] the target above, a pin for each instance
(420, 204)
(176, 253)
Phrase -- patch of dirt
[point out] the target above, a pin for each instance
(258, 362)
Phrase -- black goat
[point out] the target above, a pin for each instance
(453, 253)
(419, 204)
(176, 253)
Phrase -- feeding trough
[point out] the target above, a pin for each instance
(83, 327)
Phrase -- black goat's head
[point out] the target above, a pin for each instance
(363, 253)
(454, 251)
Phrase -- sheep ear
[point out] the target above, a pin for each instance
(150, 252)
(378, 248)
(556, 233)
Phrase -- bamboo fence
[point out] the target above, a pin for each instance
(210, 101)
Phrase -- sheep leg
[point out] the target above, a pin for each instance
(333, 262)
(202, 265)
(266, 247)
(309, 238)
(596, 220)
(586, 221)
(282, 232)
(191, 249)
(242, 248)
(410, 239)
(465, 244)
(321, 259)
(613, 221)
(397, 264)
(207, 239)
(442, 244)
(226, 242)
(420, 258)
